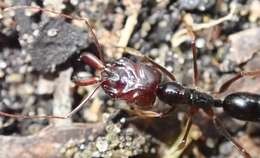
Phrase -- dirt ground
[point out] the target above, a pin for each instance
(39, 58)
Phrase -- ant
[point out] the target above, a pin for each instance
(139, 84)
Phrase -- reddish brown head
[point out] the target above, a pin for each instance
(136, 83)
(132, 82)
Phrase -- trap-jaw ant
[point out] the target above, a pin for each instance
(139, 83)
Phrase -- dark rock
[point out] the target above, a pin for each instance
(47, 50)
(51, 41)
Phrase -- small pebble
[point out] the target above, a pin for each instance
(153, 150)
(101, 144)
(82, 146)
(36, 32)
(14, 78)
(25, 89)
(2, 74)
(189, 4)
(123, 120)
(2, 64)
(210, 143)
(225, 148)
(45, 86)
(95, 154)
(52, 32)
(200, 43)
(201, 5)
(74, 2)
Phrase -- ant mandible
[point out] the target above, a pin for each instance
(140, 83)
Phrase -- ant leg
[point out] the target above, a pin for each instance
(86, 82)
(91, 60)
(144, 113)
(219, 125)
(147, 114)
(229, 82)
(182, 144)
(136, 53)
(194, 53)
(185, 136)
(224, 87)
(85, 100)
(95, 63)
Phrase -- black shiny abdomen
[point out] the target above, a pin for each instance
(243, 106)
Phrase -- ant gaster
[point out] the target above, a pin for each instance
(140, 83)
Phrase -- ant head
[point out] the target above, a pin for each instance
(135, 83)
(119, 77)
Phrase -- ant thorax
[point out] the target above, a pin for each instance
(136, 83)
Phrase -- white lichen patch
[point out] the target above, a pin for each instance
(116, 142)
(101, 144)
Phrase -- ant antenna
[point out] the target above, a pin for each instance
(100, 53)
(68, 115)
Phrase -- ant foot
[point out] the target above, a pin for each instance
(182, 144)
